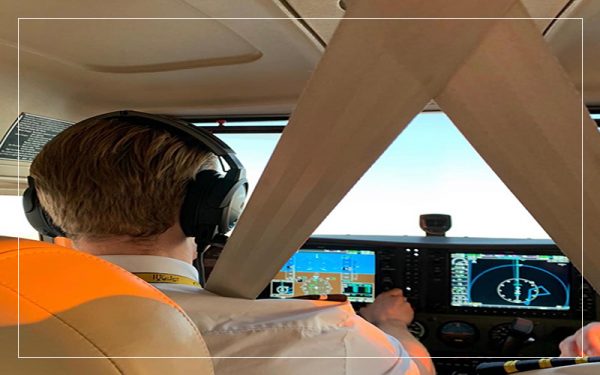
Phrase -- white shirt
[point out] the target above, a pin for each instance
(278, 329)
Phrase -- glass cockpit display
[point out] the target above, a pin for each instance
(539, 282)
(349, 272)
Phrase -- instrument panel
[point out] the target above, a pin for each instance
(473, 297)
(525, 278)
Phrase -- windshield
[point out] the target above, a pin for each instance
(429, 168)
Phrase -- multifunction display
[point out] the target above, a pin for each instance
(539, 282)
(349, 272)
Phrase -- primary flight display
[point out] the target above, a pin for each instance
(308, 272)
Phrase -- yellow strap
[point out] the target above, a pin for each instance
(545, 363)
(166, 278)
(510, 367)
(580, 360)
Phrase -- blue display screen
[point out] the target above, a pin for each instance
(539, 282)
(349, 272)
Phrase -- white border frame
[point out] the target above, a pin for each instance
(272, 18)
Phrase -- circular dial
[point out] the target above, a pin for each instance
(417, 329)
(458, 333)
(283, 289)
(518, 290)
(316, 285)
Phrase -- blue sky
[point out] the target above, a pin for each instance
(430, 168)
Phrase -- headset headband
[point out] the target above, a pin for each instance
(214, 144)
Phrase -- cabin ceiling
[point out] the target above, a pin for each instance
(73, 68)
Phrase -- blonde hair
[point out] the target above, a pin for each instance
(112, 177)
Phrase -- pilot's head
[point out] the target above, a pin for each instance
(103, 179)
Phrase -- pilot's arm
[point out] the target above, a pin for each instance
(392, 314)
(584, 342)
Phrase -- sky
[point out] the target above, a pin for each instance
(430, 168)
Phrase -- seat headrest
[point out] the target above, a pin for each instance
(59, 302)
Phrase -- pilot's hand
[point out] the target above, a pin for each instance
(389, 308)
(588, 336)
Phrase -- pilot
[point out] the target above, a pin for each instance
(116, 187)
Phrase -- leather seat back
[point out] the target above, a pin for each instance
(66, 312)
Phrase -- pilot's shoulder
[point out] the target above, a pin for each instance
(214, 313)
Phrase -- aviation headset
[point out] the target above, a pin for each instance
(213, 201)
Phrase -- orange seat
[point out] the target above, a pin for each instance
(59, 302)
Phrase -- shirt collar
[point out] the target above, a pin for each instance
(153, 263)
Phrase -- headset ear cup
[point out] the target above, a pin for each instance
(213, 202)
(35, 214)
(197, 218)
(233, 204)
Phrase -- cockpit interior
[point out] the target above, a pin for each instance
(319, 98)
